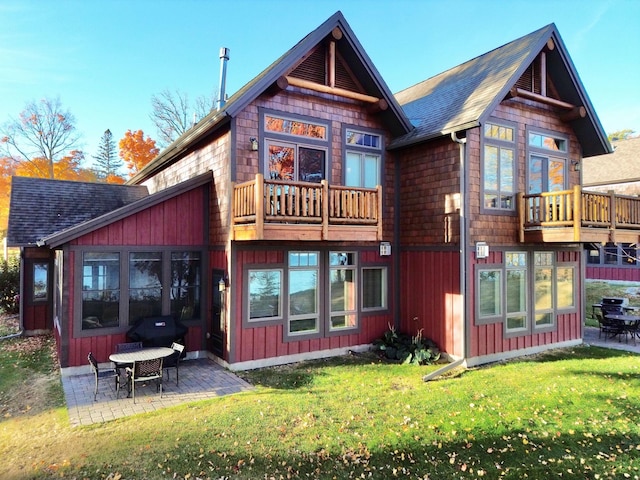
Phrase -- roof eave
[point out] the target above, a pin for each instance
(59, 238)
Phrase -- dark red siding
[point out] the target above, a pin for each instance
(430, 297)
(178, 221)
(263, 342)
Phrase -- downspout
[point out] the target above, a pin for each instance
(463, 262)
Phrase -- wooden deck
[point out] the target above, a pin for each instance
(281, 210)
(579, 216)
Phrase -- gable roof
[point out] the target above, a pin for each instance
(60, 237)
(40, 206)
(621, 166)
(464, 96)
(350, 50)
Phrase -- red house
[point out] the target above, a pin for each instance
(314, 209)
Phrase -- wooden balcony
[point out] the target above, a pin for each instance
(579, 216)
(300, 211)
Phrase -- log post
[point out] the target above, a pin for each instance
(259, 205)
(325, 209)
(379, 212)
(577, 212)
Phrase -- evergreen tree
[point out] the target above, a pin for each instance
(107, 161)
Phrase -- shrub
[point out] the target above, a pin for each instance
(405, 348)
(9, 286)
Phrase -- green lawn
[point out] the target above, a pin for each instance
(571, 413)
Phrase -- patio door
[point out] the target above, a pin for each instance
(216, 329)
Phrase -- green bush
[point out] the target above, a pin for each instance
(405, 348)
(9, 286)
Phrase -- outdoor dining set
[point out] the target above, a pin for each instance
(136, 364)
(617, 319)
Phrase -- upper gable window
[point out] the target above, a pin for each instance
(295, 127)
(547, 142)
(295, 149)
(499, 164)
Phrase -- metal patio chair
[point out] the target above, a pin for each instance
(173, 361)
(101, 374)
(145, 371)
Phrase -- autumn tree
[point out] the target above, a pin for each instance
(137, 151)
(7, 169)
(42, 134)
(173, 114)
(107, 161)
(620, 134)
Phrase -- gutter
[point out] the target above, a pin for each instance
(463, 262)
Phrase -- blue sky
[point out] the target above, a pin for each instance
(105, 59)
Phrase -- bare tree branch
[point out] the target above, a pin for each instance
(42, 131)
(173, 114)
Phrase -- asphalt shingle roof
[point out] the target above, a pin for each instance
(623, 165)
(41, 207)
(459, 97)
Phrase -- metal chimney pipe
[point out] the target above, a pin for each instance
(224, 58)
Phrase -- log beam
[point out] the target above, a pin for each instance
(574, 114)
(341, 92)
(519, 92)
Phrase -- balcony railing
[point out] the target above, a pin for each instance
(579, 216)
(274, 209)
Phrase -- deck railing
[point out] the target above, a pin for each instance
(576, 208)
(261, 201)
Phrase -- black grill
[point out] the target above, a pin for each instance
(158, 332)
(613, 305)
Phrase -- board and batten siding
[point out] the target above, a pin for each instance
(255, 343)
(490, 340)
(430, 297)
(174, 222)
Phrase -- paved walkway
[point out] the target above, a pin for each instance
(199, 379)
(591, 337)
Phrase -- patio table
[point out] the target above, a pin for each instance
(139, 356)
(627, 324)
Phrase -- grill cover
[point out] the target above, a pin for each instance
(613, 305)
(157, 331)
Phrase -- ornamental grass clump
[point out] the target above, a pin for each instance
(407, 349)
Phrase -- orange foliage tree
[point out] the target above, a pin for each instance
(137, 151)
(7, 169)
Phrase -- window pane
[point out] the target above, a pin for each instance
(281, 162)
(363, 139)
(145, 285)
(565, 287)
(489, 293)
(265, 294)
(185, 285)
(491, 168)
(341, 258)
(343, 290)
(353, 173)
(343, 321)
(516, 291)
(535, 174)
(374, 285)
(101, 290)
(311, 164)
(543, 290)
(506, 170)
(516, 323)
(303, 292)
(556, 175)
(543, 319)
(305, 325)
(295, 127)
(371, 171)
(40, 281)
